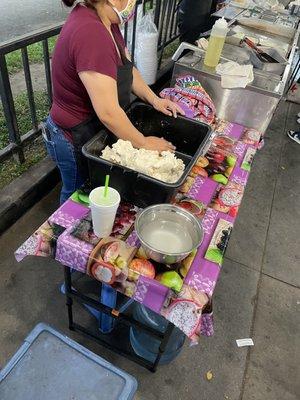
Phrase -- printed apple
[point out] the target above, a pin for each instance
(220, 178)
(103, 272)
(139, 267)
(231, 160)
(218, 157)
(171, 279)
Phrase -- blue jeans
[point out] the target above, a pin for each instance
(61, 151)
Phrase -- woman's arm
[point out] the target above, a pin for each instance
(103, 93)
(143, 91)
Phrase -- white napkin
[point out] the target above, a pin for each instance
(234, 75)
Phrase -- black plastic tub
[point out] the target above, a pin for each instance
(190, 138)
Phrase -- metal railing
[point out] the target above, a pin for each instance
(165, 18)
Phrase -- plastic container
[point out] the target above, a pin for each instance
(190, 138)
(146, 54)
(216, 43)
(145, 345)
(51, 366)
(275, 68)
(104, 210)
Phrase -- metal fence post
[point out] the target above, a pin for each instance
(29, 87)
(9, 110)
(157, 12)
(46, 56)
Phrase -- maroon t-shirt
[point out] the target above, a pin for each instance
(84, 44)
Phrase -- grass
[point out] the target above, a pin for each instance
(11, 169)
(170, 49)
(35, 55)
(23, 114)
(35, 151)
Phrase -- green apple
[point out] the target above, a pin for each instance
(220, 178)
(231, 160)
(215, 256)
(172, 280)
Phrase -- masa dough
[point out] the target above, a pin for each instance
(165, 167)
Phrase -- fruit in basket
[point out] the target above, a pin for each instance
(110, 252)
(202, 162)
(220, 207)
(121, 274)
(139, 267)
(193, 206)
(142, 254)
(187, 185)
(129, 288)
(186, 264)
(233, 211)
(228, 171)
(171, 279)
(103, 272)
(214, 255)
(218, 168)
(223, 141)
(120, 262)
(219, 157)
(223, 241)
(186, 315)
(231, 160)
(220, 179)
(196, 170)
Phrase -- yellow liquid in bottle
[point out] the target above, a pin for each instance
(214, 51)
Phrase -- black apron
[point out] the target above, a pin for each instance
(86, 130)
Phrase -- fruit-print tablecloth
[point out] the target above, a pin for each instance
(181, 293)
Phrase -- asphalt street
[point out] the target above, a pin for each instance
(21, 17)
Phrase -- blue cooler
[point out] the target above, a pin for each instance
(51, 366)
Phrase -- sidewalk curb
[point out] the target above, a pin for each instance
(17, 197)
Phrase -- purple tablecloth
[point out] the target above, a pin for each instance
(60, 238)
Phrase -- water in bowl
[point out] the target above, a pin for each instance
(167, 237)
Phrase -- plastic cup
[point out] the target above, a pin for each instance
(104, 210)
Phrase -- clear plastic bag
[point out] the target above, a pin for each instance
(146, 52)
(130, 23)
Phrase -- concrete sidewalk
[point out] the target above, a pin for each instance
(257, 295)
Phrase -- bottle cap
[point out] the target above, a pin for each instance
(222, 23)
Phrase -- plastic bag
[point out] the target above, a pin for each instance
(130, 23)
(146, 53)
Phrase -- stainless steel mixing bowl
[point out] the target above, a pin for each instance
(164, 213)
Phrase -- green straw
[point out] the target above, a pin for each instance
(106, 186)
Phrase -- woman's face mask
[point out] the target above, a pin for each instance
(127, 13)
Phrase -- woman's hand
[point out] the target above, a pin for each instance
(167, 107)
(158, 144)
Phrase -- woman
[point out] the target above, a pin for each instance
(93, 78)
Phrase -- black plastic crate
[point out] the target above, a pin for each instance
(190, 138)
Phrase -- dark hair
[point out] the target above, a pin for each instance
(89, 3)
(68, 3)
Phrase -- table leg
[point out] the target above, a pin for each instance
(108, 297)
(163, 345)
(69, 300)
(294, 75)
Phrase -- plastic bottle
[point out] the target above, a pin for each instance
(216, 43)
